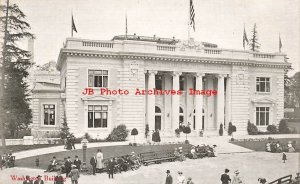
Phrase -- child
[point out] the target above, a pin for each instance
(284, 157)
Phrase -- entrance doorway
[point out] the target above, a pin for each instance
(194, 120)
(157, 125)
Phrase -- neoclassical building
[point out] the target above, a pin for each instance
(240, 86)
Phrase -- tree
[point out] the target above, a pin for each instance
(253, 42)
(15, 65)
(186, 130)
(134, 132)
(64, 130)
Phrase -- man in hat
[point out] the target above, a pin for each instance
(169, 179)
(68, 165)
(237, 179)
(74, 174)
(93, 162)
(225, 177)
(39, 180)
(52, 164)
(27, 180)
(77, 162)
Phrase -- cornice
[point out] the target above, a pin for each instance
(176, 58)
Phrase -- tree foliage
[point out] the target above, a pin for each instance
(253, 42)
(292, 91)
(16, 65)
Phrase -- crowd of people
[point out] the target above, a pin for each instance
(276, 147)
(8, 160)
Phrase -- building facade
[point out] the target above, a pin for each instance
(102, 83)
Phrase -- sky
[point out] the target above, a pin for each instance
(217, 21)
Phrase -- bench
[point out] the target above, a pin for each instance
(283, 180)
(157, 157)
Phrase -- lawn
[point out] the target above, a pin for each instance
(17, 148)
(260, 145)
(108, 151)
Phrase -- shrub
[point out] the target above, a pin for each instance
(252, 129)
(186, 130)
(118, 134)
(283, 127)
(231, 128)
(134, 144)
(134, 132)
(130, 144)
(272, 129)
(87, 136)
(177, 132)
(221, 130)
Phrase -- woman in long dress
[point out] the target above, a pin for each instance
(99, 158)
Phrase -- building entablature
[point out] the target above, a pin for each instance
(174, 58)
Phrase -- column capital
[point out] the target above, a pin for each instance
(198, 74)
(220, 76)
(229, 76)
(152, 72)
(176, 73)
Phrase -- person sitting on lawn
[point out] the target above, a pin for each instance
(278, 147)
(290, 147)
(193, 152)
(136, 160)
(181, 154)
(52, 165)
(176, 154)
(10, 160)
(268, 147)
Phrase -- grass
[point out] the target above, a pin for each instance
(108, 151)
(260, 145)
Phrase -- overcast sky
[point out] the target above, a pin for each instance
(217, 21)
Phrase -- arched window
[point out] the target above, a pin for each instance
(157, 109)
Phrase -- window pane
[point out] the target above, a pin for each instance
(98, 108)
(268, 87)
(90, 119)
(97, 119)
(52, 118)
(262, 87)
(91, 81)
(262, 118)
(181, 83)
(91, 72)
(91, 108)
(105, 72)
(46, 118)
(46, 106)
(105, 81)
(104, 108)
(104, 119)
(257, 118)
(98, 72)
(267, 118)
(257, 87)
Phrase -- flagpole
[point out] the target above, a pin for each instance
(126, 29)
(189, 11)
(72, 23)
(280, 44)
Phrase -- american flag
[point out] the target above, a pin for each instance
(192, 15)
(73, 26)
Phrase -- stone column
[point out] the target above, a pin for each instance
(228, 101)
(151, 100)
(175, 101)
(198, 102)
(220, 101)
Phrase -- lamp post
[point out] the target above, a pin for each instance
(84, 147)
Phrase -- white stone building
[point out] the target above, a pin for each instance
(249, 86)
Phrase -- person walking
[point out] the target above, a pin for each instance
(59, 179)
(99, 160)
(189, 181)
(39, 180)
(284, 157)
(74, 175)
(93, 162)
(27, 180)
(77, 162)
(225, 177)
(111, 168)
(180, 178)
(237, 179)
(68, 164)
(169, 179)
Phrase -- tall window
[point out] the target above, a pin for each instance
(49, 114)
(158, 82)
(262, 84)
(181, 83)
(97, 116)
(98, 78)
(262, 116)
